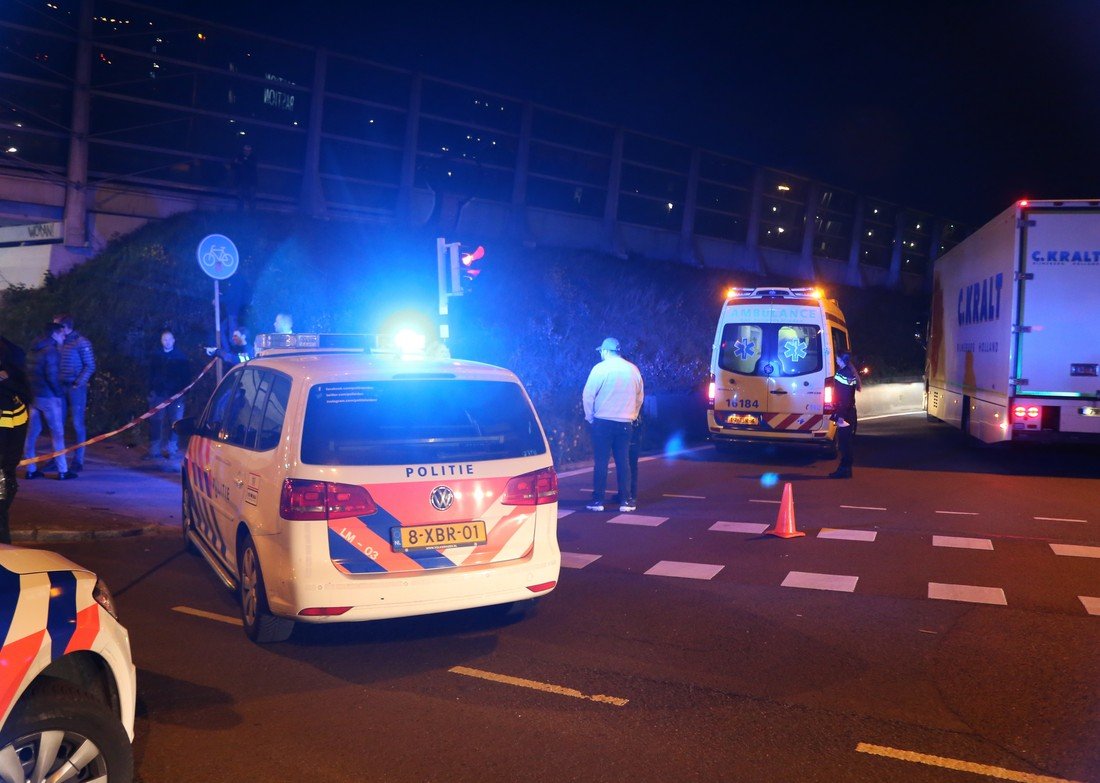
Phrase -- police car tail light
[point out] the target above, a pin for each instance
(303, 499)
(324, 611)
(532, 489)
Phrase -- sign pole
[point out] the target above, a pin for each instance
(219, 259)
(218, 327)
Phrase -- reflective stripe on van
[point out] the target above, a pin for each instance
(792, 421)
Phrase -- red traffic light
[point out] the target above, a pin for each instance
(469, 261)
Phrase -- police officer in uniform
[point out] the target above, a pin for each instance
(846, 385)
(15, 396)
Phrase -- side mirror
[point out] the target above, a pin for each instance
(185, 427)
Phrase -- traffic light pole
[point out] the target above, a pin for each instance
(446, 259)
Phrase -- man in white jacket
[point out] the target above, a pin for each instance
(612, 401)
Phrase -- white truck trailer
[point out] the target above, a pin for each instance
(1014, 333)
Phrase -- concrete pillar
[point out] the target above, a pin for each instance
(809, 226)
(408, 155)
(611, 205)
(75, 219)
(855, 252)
(519, 178)
(312, 198)
(691, 199)
(893, 280)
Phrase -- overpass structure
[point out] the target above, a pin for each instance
(115, 113)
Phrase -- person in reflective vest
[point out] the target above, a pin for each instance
(15, 395)
(846, 384)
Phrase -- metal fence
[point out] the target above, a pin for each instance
(102, 91)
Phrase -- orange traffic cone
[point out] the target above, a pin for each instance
(784, 523)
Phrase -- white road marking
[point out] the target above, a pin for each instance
(1057, 519)
(865, 508)
(577, 560)
(960, 513)
(685, 570)
(848, 535)
(636, 519)
(564, 512)
(959, 542)
(752, 500)
(891, 415)
(956, 764)
(689, 497)
(1072, 550)
(836, 582)
(968, 593)
(738, 527)
(221, 618)
(536, 685)
(1092, 604)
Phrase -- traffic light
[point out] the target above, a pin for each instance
(470, 268)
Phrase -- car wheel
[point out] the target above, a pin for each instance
(186, 520)
(60, 732)
(260, 624)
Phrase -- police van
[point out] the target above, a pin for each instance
(327, 481)
(771, 368)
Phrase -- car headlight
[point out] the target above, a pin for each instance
(103, 597)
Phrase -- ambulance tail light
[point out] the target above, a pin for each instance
(712, 390)
(532, 489)
(304, 500)
(828, 396)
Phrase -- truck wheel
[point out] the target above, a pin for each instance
(260, 624)
(58, 731)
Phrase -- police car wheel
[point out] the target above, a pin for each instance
(260, 625)
(186, 522)
(56, 725)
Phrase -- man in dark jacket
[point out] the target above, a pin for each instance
(77, 367)
(44, 372)
(847, 383)
(15, 393)
(169, 373)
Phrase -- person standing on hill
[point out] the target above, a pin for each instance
(169, 373)
(77, 367)
(15, 395)
(612, 400)
(45, 364)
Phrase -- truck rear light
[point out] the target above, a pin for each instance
(532, 489)
(1026, 412)
(304, 499)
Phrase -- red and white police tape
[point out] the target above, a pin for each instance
(124, 427)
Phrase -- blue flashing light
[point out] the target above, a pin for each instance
(769, 479)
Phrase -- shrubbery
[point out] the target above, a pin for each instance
(540, 312)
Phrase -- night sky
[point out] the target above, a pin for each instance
(956, 108)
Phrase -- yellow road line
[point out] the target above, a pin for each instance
(535, 685)
(962, 766)
(221, 618)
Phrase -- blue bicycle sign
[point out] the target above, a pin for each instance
(218, 256)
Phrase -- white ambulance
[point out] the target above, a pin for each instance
(772, 367)
(328, 482)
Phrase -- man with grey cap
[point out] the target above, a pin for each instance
(612, 401)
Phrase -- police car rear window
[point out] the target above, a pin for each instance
(397, 422)
(770, 350)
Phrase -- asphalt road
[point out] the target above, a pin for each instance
(932, 625)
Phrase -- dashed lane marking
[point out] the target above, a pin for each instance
(1092, 604)
(1073, 550)
(848, 535)
(738, 527)
(865, 508)
(835, 582)
(564, 512)
(959, 542)
(685, 570)
(957, 764)
(221, 618)
(688, 497)
(1057, 519)
(577, 560)
(972, 594)
(960, 513)
(636, 519)
(545, 687)
(754, 500)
